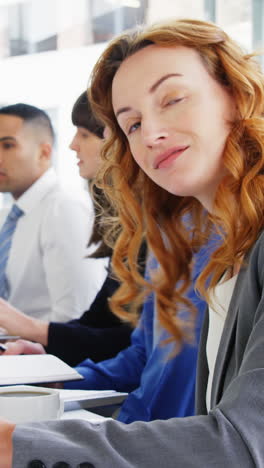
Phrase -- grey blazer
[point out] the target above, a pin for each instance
(230, 436)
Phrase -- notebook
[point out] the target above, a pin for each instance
(35, 368)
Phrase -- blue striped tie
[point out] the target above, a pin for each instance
(6, 234)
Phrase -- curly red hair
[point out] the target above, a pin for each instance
(146, 211)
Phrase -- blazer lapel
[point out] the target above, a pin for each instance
(226, 343)
(202, 369)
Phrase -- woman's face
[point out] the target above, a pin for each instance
(176, 118)
(88, 147)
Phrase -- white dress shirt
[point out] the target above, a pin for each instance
(47, 271)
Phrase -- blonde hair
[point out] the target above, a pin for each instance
(176, 227)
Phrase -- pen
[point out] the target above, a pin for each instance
(3, 347)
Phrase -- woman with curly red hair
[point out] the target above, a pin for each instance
(183, 161)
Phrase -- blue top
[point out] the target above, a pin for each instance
(160, 387)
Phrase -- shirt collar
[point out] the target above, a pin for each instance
(37, 191)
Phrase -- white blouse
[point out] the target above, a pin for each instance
(220, 300)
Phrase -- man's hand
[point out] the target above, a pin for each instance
(16, 323)
(23, 347)
(6, 431)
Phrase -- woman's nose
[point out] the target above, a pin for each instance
(73, 145)
(153, 132)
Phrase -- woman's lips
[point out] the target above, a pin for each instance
(166, 158)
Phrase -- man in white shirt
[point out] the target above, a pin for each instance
(47, 273)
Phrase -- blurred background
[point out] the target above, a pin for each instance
(48, 48)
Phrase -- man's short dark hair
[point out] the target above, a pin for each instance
(82, 116)
(30, 114)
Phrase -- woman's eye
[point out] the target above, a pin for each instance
(133, 128)
(173, 101)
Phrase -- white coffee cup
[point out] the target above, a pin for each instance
(26, 403)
